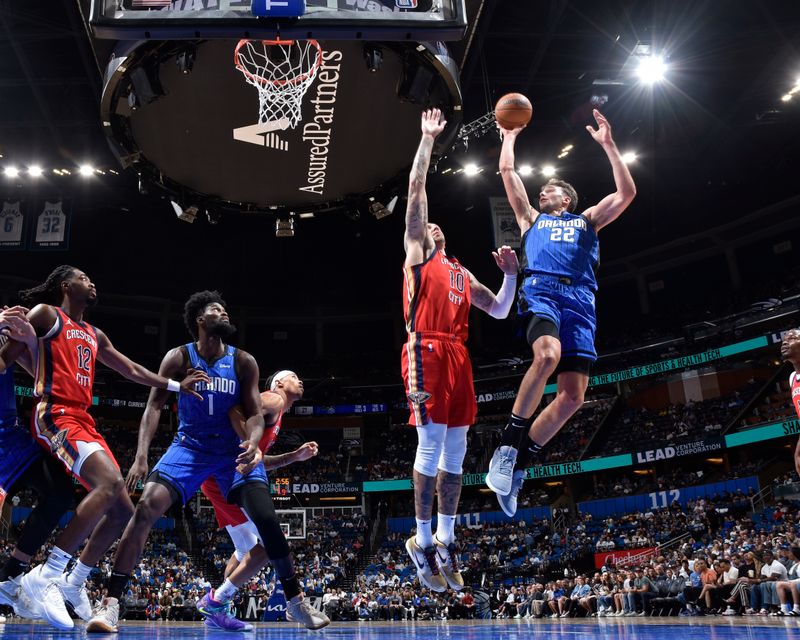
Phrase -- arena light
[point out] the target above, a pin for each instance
(35, 171)
(628, 157)
(651, 69)
(187, 215)
(548, 171)
(786, 97)
(86, 170)
(472, 170)
(10, 172)
(568, 147)
(525, 170)
(284, 228)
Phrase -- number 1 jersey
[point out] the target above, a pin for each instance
(66, 363)
(437, 297)
(205, 424)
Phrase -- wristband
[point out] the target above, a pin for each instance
(174, 386)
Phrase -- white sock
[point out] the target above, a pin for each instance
(796, 608)
(226, 592)
(445, 528)
(57, 561)
(78, 574)
(424, 535)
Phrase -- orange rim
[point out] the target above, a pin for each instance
(277, 43)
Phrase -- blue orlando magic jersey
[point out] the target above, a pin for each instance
(8, 403)
(564, 246)
(206, 424)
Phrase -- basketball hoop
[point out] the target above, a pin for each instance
(281, 71)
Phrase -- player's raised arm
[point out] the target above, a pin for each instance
(497, 305)
(417, 240)
(612, 206)
(515, 189)
(123, 365)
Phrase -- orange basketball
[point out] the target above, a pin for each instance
(513, 110)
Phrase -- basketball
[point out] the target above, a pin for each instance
(513, 110)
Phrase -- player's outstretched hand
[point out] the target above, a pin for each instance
(432, 123)
(137, 472)
(601, 135)
(193, 376)
(308, 450)
(248, 459)
(509, 133)
(506, 259)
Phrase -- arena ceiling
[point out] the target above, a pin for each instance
(714, 142)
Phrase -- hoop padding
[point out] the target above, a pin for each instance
(281, 71)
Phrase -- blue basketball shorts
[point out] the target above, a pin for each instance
(185, 468)
(18, 451)
(569, 307)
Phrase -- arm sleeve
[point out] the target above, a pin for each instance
(504, 298)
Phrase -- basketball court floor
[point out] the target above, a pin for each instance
(712, 628)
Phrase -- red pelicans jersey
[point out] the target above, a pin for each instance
(437, 297)
(66, 363)
(794, 381)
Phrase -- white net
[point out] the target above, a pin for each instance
(281, 71)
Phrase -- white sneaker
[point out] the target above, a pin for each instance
(730, 611)
(9, 590)
(508, 503)
(501, 470)
(47, 593)
(76, 595)
(2, 619)
(299, 610)
(24, 607)
(426, 565)
(105, 618)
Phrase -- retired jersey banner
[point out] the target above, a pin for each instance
(506, 230)
(623, 557)
(12, 225)
(51, 225)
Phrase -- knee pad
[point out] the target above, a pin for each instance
(244, 537)
(454, 450)
(430, 443)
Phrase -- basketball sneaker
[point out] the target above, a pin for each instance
(426, 565)
(9, 590)
(299, 610)
(448, 564)
(508, 503)
(105, 618)
(218, 615)
(24, 607)
(501, 470)
(77, 598)
(47, 593)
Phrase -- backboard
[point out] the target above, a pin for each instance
(409, 20)
(185, 117)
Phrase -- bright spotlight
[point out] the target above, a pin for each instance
(86, 170)
(548, 171)
(471, 170)
(786, 97)
(10, 172)
(525, 170)
(35, 171)
(628, 157)
(651, 69)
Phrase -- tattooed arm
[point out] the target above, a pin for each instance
(418, 241)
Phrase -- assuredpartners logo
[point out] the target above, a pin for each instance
(317, 131)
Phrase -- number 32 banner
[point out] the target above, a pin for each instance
(51, 225)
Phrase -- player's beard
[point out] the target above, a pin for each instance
(223, 330)
(90, 302)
